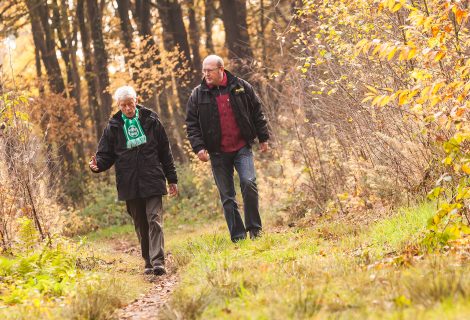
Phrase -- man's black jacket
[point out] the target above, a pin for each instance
(140, 171)
(202, 114)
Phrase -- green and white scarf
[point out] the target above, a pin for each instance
(135, 136)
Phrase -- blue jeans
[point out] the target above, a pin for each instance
(222, 168)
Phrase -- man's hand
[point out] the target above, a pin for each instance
(173, 189)
(203, 155)
(93, 164)
(263, 146)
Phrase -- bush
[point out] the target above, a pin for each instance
(39, 276)
(102, 209)
(198, 199)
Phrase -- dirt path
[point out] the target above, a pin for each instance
(148, 305)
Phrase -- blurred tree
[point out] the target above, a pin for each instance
(236, 33)
(44, 40)
(194, 36)
(173, 29)
(126, 27)
(100, 61)
(90, 75)
(209, 14)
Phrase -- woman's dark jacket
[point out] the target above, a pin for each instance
(203, 120)
(140, 171)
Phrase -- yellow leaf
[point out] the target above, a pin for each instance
(391, 53)
(367, 98)
(466, 168)
(411, 54)
(372, 89)
(439, 56)
(384, 101)
(376, 49)
(459, 15)
(436, 87)
(361, 43)
(435, 101)
(460, 112)
(402, 98)
(396, 7)
(377, 100)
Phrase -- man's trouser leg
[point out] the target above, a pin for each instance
(147, 216)
(246, 171)
(222, 169)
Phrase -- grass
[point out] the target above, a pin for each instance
(406, 227)
(333, 270)
(67, 279)
(330, 271)
(110, 232)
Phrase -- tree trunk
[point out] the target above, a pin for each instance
(101, 60)
(90, 75)
(209, 12)
(125, 23)
(194, 37)
(236, 33)
(127, 33)
(261, 34)
(174, 31)
(43, 37)
(37, 57)
(137, 12)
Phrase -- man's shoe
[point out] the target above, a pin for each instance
(255, 233)
(148, 271)
(159, 271)
(235, 240)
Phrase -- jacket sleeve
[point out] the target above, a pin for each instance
(258, 118)
(165, 155)
(105, 156)
(193, 128)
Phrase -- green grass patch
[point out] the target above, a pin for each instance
(110, 232)
(406, 227)
(318, 273)
(64, 279)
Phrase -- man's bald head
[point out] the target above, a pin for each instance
(214, 59)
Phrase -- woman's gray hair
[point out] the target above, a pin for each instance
(125, 92)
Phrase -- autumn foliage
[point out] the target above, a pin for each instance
(396, 75)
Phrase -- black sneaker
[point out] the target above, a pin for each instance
(159, 271)
(235, 240)
(148, 271)
(255, 234)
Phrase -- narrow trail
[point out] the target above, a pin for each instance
(150, 304)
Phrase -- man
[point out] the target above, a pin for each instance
(136, 142)
(224, 116)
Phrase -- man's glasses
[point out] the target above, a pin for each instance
(206, 71)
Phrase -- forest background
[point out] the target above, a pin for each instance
(367, 104)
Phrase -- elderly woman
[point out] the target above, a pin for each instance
(136, 142)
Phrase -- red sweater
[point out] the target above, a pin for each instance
(232, 139)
